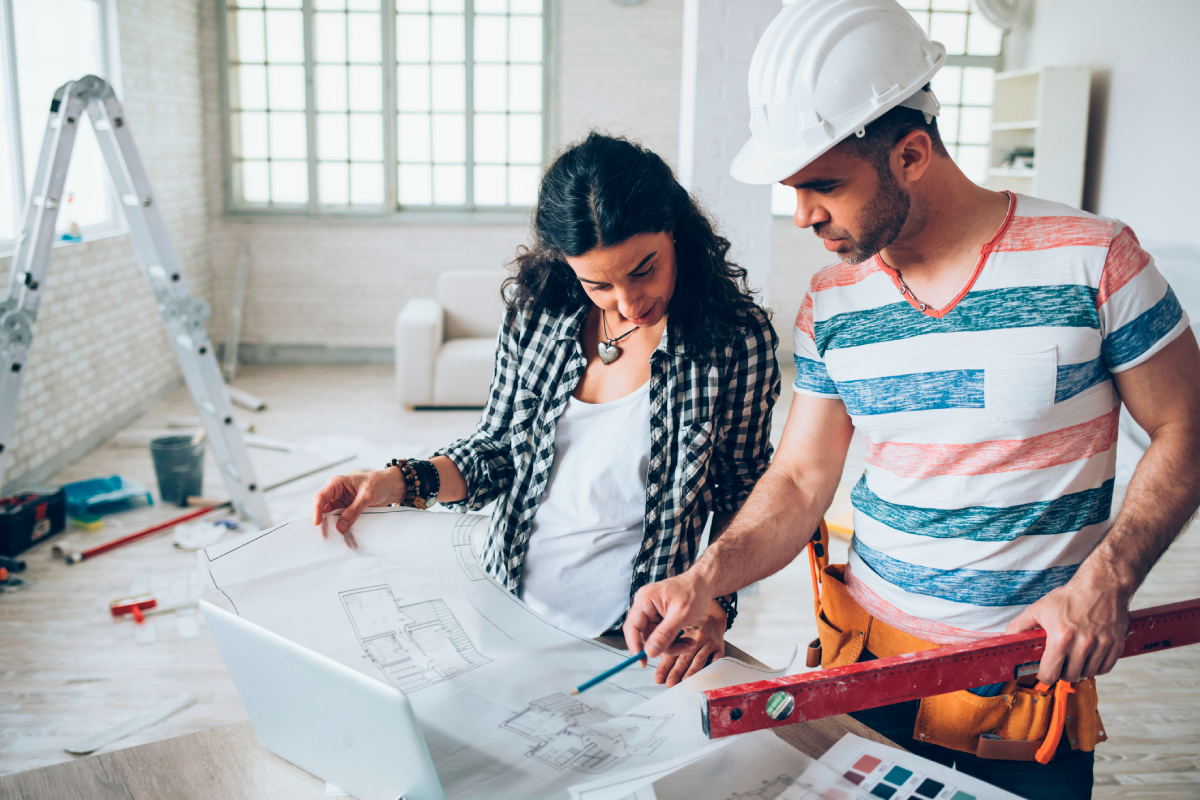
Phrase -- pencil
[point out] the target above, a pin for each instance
(583, 687)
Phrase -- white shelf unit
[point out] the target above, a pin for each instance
(1045, 108)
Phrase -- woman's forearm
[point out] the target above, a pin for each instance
(453, 484)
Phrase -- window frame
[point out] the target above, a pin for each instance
(110, 65)
(392, 211)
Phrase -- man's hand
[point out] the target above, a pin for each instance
(660, 610)
(705, 643)
(356, 493)
(1085, 622)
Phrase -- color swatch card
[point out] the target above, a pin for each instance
(879, 771)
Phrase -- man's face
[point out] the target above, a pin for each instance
(849, 204)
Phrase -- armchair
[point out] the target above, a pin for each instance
(445, 344)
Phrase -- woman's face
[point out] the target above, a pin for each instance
(633, 279)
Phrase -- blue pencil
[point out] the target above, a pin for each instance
(583, 687)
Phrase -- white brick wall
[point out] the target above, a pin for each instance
(796, 255)
(719, 40)
(619, 71)
(99, 344)
(341, 285)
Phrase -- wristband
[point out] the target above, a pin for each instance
(729, 603)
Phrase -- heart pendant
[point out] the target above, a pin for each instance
(608, 352)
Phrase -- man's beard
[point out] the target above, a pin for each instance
(881, 221)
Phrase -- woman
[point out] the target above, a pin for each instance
(632, 395)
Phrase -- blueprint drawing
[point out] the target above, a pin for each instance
(406, 602)
(464, 529)
(755, 766)
(569, 734)
(416, 645)
(768, 791)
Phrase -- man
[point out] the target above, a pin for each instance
(983, 343)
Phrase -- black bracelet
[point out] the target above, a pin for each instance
(430, 480)
(421, 482)
(729, 603)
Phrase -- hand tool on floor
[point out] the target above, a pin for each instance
(840, 690)
(132, 605)
(11, 583)
(184, 315)
(137, 536)
(12, 564)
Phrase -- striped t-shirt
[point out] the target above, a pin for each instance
(991, 424)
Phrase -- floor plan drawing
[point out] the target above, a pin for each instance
(569, 734)
(461, 537)
(415, 645)
(768, 791)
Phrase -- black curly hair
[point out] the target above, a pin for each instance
(604, 190)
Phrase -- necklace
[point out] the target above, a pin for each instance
(608, 350)
(905, 290)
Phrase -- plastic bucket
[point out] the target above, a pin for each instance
(179, 467)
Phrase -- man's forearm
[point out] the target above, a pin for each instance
(1162, 496)
(771, 529)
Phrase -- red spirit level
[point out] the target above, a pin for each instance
(840, 690)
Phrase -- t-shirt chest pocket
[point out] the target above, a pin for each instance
(1019, 386)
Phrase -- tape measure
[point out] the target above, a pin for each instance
(840, 690)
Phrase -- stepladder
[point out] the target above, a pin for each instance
(184, 315)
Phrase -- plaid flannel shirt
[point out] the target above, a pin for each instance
(709, 440)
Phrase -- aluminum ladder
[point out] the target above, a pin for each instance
(183, 314)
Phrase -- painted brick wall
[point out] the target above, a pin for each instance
(619, 71)
(796, 255)
(719, 41)
(99, 344)
(341, 284)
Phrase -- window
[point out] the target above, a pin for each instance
(368, 107)
(963, 86)
(46, 43)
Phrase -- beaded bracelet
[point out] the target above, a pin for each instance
(421, 482)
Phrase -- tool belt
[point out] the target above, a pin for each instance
(1021, 723)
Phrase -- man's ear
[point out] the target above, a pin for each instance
(912, 155)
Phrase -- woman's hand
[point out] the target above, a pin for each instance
(356, 493)
(704, 643)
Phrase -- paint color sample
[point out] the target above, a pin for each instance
(884, 791)
(962, 796)
(853, 777)
(929, 788)
(898, 775)
(866, 764)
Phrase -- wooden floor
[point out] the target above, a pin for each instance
(67, 670)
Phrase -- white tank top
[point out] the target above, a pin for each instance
(589, 526)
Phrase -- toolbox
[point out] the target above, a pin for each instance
(29, 517)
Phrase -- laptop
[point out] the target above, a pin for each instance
(355, 732)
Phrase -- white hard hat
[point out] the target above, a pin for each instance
(822, 71)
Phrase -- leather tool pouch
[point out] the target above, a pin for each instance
(1009, 726)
